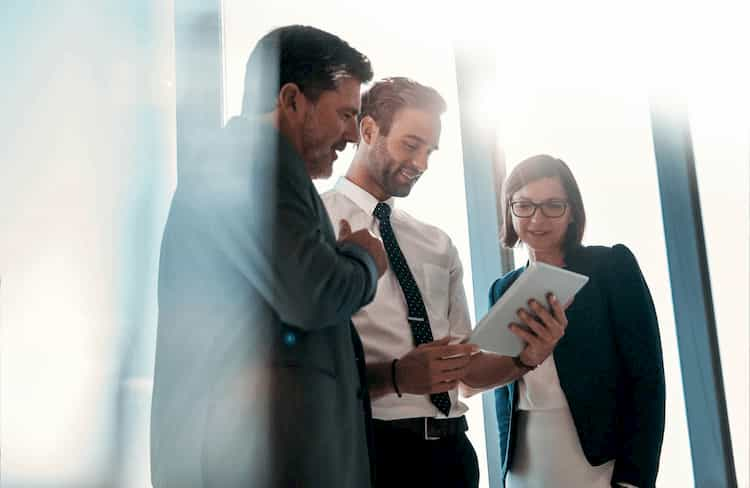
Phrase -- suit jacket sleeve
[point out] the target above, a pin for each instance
(639, 348)
(503, 399)
(281, 240)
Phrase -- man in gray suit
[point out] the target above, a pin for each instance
(259, 373)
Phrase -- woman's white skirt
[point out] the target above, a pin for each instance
(548, 454)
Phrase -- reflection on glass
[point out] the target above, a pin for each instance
(720, 128)
(396, 46)
(82, 201)
(606, 140)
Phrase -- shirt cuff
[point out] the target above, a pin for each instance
(469, 391)
(359, 254)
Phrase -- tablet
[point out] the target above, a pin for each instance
(492, 333)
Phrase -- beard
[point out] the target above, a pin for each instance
(317, 154)
(386, 169)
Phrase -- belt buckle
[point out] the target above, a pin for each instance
(427, 435)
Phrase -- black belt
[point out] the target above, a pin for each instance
(428, 428)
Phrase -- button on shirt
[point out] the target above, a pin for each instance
(382, 325)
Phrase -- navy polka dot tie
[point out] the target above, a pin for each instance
(420, 323)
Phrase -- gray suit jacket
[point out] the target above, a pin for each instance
(257, 382)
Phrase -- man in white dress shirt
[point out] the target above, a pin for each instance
(412, 329)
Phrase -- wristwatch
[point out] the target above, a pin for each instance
(521, 365)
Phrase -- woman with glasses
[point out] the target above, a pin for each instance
(592, 413)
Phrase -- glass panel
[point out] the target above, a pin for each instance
(85, 180)
(564, 100)
(397, 47)
(721, 142)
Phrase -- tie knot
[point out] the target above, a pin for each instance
(382, 211)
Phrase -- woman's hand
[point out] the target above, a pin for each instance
(544, 330)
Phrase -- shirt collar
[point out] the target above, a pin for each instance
(360, 196)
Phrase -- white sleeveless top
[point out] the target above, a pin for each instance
(548, 451)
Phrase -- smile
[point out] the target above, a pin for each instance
(410, 175)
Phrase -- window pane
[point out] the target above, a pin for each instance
(720, 132)
(601, 128)
(83, 200)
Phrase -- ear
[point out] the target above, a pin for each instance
(291, 100)
(368, 129)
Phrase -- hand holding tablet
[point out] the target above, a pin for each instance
(536, 282)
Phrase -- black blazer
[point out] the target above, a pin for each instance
(610, 366)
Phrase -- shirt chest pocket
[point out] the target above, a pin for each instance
(437, 298)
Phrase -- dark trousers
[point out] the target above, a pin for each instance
(405, 459)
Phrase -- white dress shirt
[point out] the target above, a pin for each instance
(382, 325)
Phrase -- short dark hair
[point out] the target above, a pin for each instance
(312, 59)
(387, 96)
(533, 169)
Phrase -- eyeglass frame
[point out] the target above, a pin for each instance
(538, 206)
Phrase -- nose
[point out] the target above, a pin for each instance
(421, 162)
(538, 215)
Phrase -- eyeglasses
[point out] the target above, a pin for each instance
(552, 209)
